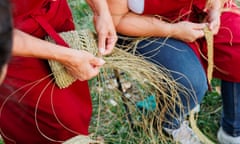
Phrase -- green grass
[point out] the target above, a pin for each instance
(81, 13)
(111, 121)
(210, 114)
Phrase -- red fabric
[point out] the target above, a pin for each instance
(33, 109)
(227, 48)
(172, 10)
(226, 42)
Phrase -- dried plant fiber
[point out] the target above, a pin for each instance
(83, 40)
(147, 74)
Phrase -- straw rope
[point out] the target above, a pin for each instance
(210, 54)
(210, 57)
(197, 131)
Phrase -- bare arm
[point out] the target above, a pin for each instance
(132, 24)
(28, 46)
(81, 64)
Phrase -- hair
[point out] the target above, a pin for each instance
(6, 32)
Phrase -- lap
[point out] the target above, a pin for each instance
(181, 61)
(37, 111)
(175, 55)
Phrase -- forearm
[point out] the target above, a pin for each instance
(28, 46)
(216, 4)
(132, 24)
(98, 6)
(135, 25)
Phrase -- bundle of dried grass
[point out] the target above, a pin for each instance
(149, 78)
(146, 73)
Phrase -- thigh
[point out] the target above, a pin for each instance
(34, 110)
(52, 118)
(180, 59)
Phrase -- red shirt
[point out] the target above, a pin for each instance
(226, 42)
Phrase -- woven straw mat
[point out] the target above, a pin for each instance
(81, 40)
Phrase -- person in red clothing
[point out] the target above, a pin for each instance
(175, 31)
(33, 109)
(5, 37)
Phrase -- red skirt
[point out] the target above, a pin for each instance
(33, 109)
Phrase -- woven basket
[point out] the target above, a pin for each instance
(81, 40)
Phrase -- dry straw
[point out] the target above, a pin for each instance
(136, 67)
(149, 78)
(210, 54)
(210, 58)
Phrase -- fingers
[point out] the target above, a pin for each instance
(89, 70)
(199, 30)
(97, 62)
(201, 33)
(214, 26)
(86, 68)
(110, 44)
(101, 43)
(106, 44)
(201, 26)
(95, 65)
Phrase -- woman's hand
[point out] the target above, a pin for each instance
(187, 31)
(107, 36)
(214, 12)
(82, 65)
(104, 27)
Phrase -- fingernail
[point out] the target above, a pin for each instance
(112, 39)
(102, 61)
(101, 50)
